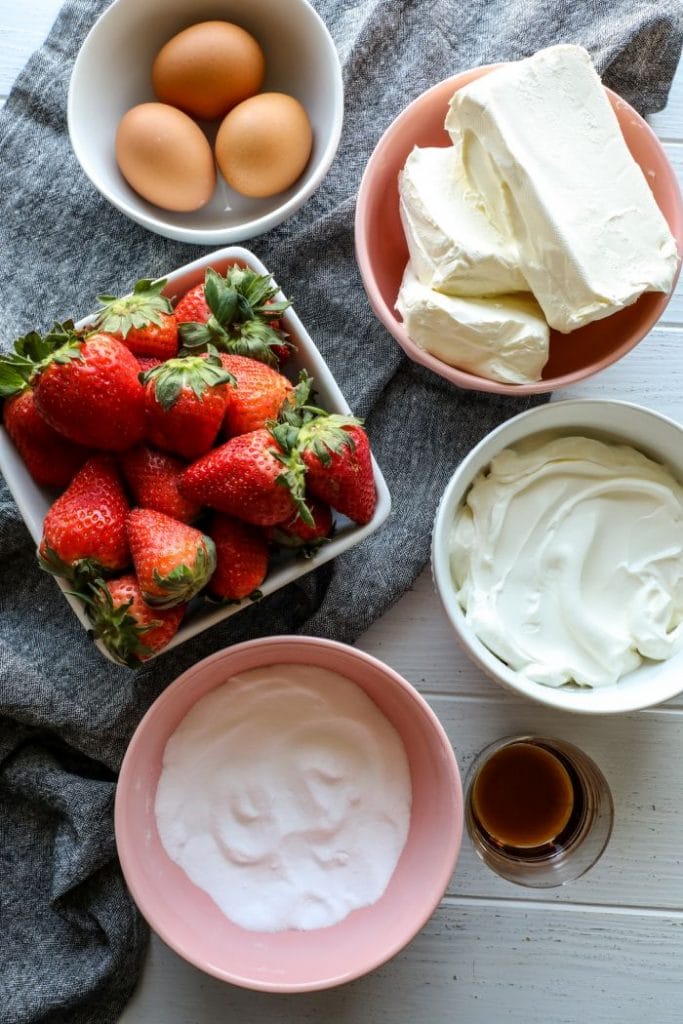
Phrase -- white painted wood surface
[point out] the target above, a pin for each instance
(607, 948)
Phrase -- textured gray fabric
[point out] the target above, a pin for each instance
(70, 941)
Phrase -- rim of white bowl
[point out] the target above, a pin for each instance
(250, 228)
(561, 698)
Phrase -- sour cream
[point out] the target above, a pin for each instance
(567, 557)
(285, 794)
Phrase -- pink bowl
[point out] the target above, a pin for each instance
(382, 252)
(188, 920)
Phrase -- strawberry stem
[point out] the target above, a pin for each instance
(144, 306)
(193, 373)
(32, 353)
(119, 631)
(243, 311)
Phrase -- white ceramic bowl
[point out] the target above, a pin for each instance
(655, 436)
(33, 501)
(112, 73)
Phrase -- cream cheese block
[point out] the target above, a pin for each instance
(543, 146)
(453, 245)
(502, 338)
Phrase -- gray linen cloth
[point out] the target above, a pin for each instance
(70, 939)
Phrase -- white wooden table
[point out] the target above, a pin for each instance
(609, 947)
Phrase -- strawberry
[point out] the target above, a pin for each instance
(300, 535)
(244, 316)
(193, 307)
(130, 630)
(336, 453)
(86, 388)
(153, 480)
(84, 533)
(185, 400)
(50, 458)
(251, 477)
(241, 559)
(172, 560)
(258, 397)
(143, 320)
(148, 363)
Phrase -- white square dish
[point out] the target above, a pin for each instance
(33, 501)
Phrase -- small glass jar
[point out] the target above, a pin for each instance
(538, 810)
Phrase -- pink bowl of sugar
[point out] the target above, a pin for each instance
(289, 814)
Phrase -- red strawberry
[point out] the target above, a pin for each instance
(258, 397)
(336, 453)
(300, 535)
(50, 458)
(241, 559)
(153, 480)
(86, 388)
(148, 363)
(84, 533)
(281, 352)
(143, 321)
(172, 561)
(243, 315)
(130, 630)
(250, 477)
(185, 400)
(193, 307)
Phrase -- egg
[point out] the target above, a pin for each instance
(165, 156)
(264, 144)
(208, 68)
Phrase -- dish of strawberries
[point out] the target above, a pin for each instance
(185, 455)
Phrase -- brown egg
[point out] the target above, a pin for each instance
(263, 145)
(208, 68)
(165, 157)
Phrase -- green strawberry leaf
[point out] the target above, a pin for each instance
(13, 379)
(119, 631)
(145, 305)
(33, 352)
(197, 337)
(187, 373)
(293, 477)
(184, 581)
(221, 299)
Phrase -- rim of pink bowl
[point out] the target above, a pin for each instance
(438, 883)
(462, 378)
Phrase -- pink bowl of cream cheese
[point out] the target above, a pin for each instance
(288, 814)
(382, 251)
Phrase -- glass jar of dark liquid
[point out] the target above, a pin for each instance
(539, 811)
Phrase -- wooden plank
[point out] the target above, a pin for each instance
(474, 963)
(673, 314)
(635, 754)
(668, 123)
(23, 28)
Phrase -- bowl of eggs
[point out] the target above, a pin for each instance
(221, 121)
(302, 803)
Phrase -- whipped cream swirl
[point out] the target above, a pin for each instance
(567, 556)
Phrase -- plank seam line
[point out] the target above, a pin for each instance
(494, 698)
(503, 902)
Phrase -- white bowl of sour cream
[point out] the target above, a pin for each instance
(558, 556)
(288, 814)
